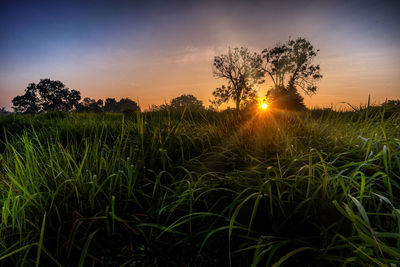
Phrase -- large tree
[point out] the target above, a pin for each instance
(47, 95)
(125, 104)
(243, 71)
(290, 67)
(188, 101)
(28, 102)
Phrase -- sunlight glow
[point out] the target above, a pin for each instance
(264, 106)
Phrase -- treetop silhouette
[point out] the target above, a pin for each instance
(47, 95)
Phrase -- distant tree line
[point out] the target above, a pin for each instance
(3, 111)
(49, 95)
(110, 105)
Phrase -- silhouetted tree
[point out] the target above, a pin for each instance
(99, 105)
(90, 105)
(55, 96)
(27, 103)
(127, 104)
(47, 95)
(289, 65)
(250, 104)
(86, 104)
(243, 70)
(188, 101)
(72, 99)
(3, 111)
(286, 98)
(111, 105)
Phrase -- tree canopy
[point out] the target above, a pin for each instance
(181, 102)
(290, 68)
(288, 65)
(186, 101)
(51, 95)
(47, 95)
(90, 105)
(110, 105)
(242, 69)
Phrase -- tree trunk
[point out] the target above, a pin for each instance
(237, 105)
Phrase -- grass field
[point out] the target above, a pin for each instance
(319, 188)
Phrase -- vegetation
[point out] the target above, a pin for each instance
(185, 101)
(3, 111)
(111, 105)
(109, 185)
(243, 71)
(201, 188)
(289, 66)
(47, 95)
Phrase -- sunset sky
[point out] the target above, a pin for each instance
(152, 51)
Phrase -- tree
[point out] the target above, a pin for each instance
(72, 99)
(188, 101)
(3, 111)
(27, 103)
(47, 95)
(111, 105)
(90, 105)
(54, 95)
(126, 104)
(289, 65)
(243, 71)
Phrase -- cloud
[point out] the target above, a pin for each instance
(195, 55)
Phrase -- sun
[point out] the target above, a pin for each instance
(264, 106)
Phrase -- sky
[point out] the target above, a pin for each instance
(153, 51)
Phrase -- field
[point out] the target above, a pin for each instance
(173, 188)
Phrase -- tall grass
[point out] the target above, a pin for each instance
(200, 189)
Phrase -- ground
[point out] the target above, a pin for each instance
(200, 188)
